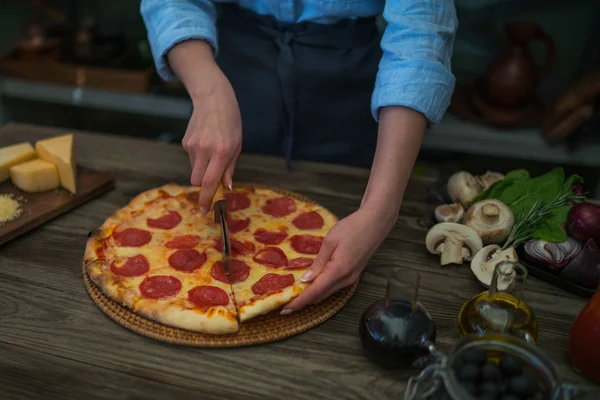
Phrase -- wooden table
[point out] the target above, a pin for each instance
(55, 343)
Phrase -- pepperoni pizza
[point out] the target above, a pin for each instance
(161, 258)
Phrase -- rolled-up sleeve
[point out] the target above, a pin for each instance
(417, 45)
(169, 22)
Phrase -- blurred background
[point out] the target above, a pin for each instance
(528, 81)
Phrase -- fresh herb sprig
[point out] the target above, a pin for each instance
(539, 214)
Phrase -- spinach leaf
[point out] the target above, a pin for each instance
(550, 231)
(517, 175)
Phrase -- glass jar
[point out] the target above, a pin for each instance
(445, 378)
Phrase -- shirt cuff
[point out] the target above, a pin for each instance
(420, 84)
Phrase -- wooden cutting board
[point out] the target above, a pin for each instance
(38, 208)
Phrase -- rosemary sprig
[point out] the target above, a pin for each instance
(528, 221)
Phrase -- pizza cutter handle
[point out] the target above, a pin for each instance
(219, 201)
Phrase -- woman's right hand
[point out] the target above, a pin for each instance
(213, 138)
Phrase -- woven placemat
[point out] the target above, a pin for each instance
(263, 329)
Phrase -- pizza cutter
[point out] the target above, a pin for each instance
(220, 217)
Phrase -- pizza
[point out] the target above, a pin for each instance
(161, 258)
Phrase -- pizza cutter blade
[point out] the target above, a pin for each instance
(220, 217)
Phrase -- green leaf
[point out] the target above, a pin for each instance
(517, 175)
(550, 231)
(572, 180)
(546, 187)
(560, 214)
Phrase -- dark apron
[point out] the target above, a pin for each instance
(304, 90)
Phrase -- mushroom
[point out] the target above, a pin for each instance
(487, 259)
(455, 242)
(489, 178)
(491, 219)
(449, 213)
(463, 188)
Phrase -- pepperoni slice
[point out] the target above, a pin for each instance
(272, 257)
(299, 263)
(306, 244)
(160, 286)
(237, 248)
(308, 220)
(132, 237)
(183, 242)
(239, 271)
(187, 260)
(268, 237)
(237, 225)
(272, 283)
(279, 207)
(169, 221)
(237, 201)
(205, 297)
(134, 266)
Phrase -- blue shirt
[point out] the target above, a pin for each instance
(417, 43)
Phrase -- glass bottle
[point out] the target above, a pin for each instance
(501, 308)
(396, 331)
(584, 339)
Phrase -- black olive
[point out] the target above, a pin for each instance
(511, 366)
(475, 356)
(490, 388)
(540, 396)
(491, 372)
(469, 373)
(522, 386)
(472, 388)
(509, 396)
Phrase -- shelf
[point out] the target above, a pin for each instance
(144, 104)
(454, 134)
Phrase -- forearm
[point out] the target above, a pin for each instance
(191, 61)
(399, 139)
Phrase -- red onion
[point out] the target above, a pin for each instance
(584, 268)
(554, 256)
(583, 222)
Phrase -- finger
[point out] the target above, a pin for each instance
(210, 181)
(199, 165)
(313, 291)
(334, 289)
(323, 257)
(228, 174)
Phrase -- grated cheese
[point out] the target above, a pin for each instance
(10, 208)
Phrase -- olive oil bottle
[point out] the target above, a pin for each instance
(501, 308)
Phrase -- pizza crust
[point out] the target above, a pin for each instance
(270, 303)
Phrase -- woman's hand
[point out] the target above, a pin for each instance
(213, 138)
(349, 245)
(345, 251)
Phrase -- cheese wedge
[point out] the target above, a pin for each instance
(12, 155)
(59, 151)
(35, 176)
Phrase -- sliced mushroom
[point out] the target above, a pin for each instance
(489, 178)
(455, 242)
(486, 260)
(463, 188)
(449, 213)
(491, 219)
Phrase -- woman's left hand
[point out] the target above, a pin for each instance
(345, 251)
